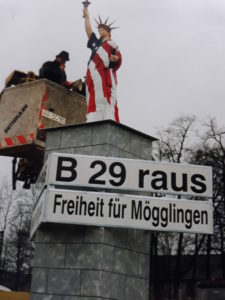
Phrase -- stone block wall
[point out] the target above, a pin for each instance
(74, 263)
(85, 262)
(105, 138)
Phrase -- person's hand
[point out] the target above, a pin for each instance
(85, 12)
(114, 58)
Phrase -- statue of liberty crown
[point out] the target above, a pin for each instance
(104, 25)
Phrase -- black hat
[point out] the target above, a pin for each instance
(64, 55)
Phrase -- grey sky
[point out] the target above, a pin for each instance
(173, 52)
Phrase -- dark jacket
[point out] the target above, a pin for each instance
(50, 70)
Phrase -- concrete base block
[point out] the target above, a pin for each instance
(80, 262)
(92, 263)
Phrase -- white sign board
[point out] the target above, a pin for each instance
(42, 180)
(127, 211)
(38, 213)
(128, 174)
(50, 115)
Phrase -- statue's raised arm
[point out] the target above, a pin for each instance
(101, 80)
(88, 27)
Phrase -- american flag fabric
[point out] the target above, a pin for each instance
(101, 80)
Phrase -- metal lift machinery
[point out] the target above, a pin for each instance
(27, 107)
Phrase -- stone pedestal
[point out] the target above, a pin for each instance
(93, 263)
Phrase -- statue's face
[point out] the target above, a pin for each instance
(103, 33)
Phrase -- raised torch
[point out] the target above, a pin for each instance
(86, 3)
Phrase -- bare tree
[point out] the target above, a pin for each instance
(6, 209)
(177, 145)
(17, 248)
(172, 147)
(212, 152)
(20, 247)
(173, 140)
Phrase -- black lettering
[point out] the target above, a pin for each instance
(204, 217)
(188, 218)
(24, 108)
(174, 185)
(70, 207)
(160, 182)
(121, 174)
(101, 209)
(136, 213)
(77, 205)
(196, 217)
(83, 206)
(64, 202)
(15, 119)
(56, 203)
(93, 179)
(147, 213)
(164, 217)
(180, 215)
(155, 216)
(200, 186)
(91, 209)
(69, 169)
(142, 174)
(124, 206)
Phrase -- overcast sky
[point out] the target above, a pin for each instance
(173, 53)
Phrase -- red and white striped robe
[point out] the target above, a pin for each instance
(101, 81)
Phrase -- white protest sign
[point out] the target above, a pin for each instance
(129, 174)
(38, 213)
(127, 211)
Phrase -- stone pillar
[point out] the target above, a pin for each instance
(85, 262)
